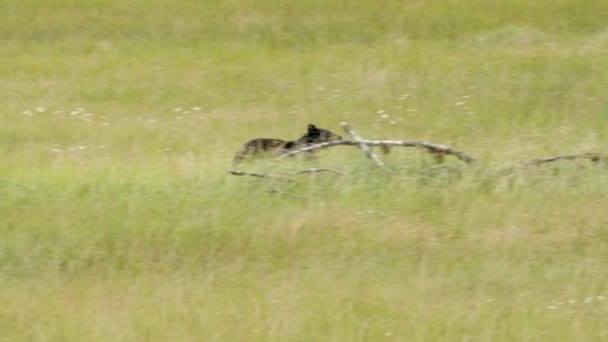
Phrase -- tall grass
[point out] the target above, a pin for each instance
(119, 120)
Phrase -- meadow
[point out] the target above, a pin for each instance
(119, 221)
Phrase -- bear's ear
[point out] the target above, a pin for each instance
(312, 128)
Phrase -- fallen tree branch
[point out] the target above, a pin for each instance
(315, 170)
(437, 149)
(592, 156)
(429, 146)
(253, 174)
(364, 147)
(285, 176)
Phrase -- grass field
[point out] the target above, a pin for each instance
(119, 221)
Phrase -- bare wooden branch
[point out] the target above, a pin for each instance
(253, 174)
(364, 147)
(315, 170)
(266, 175)
(592, 156)
(437, 149)
(315, 147)
(429, 146)
(431, 169)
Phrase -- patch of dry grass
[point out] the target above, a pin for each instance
(118, 220)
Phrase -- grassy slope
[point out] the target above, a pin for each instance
(118, 221)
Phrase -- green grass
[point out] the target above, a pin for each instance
(119, 120)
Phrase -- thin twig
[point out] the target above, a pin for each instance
(593, 156)
(364, 147)
(315, 170)
(272, 176)
(253, 174)
(439, 167)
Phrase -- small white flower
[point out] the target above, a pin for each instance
(393, 122)
(28, 113)
(552, 307)
(177, 110)
(601, 298)
(388, 333)
(588, 300)
(572, 301)
(40, 109)
(384, 116)
(56, 150)
(196, 109)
